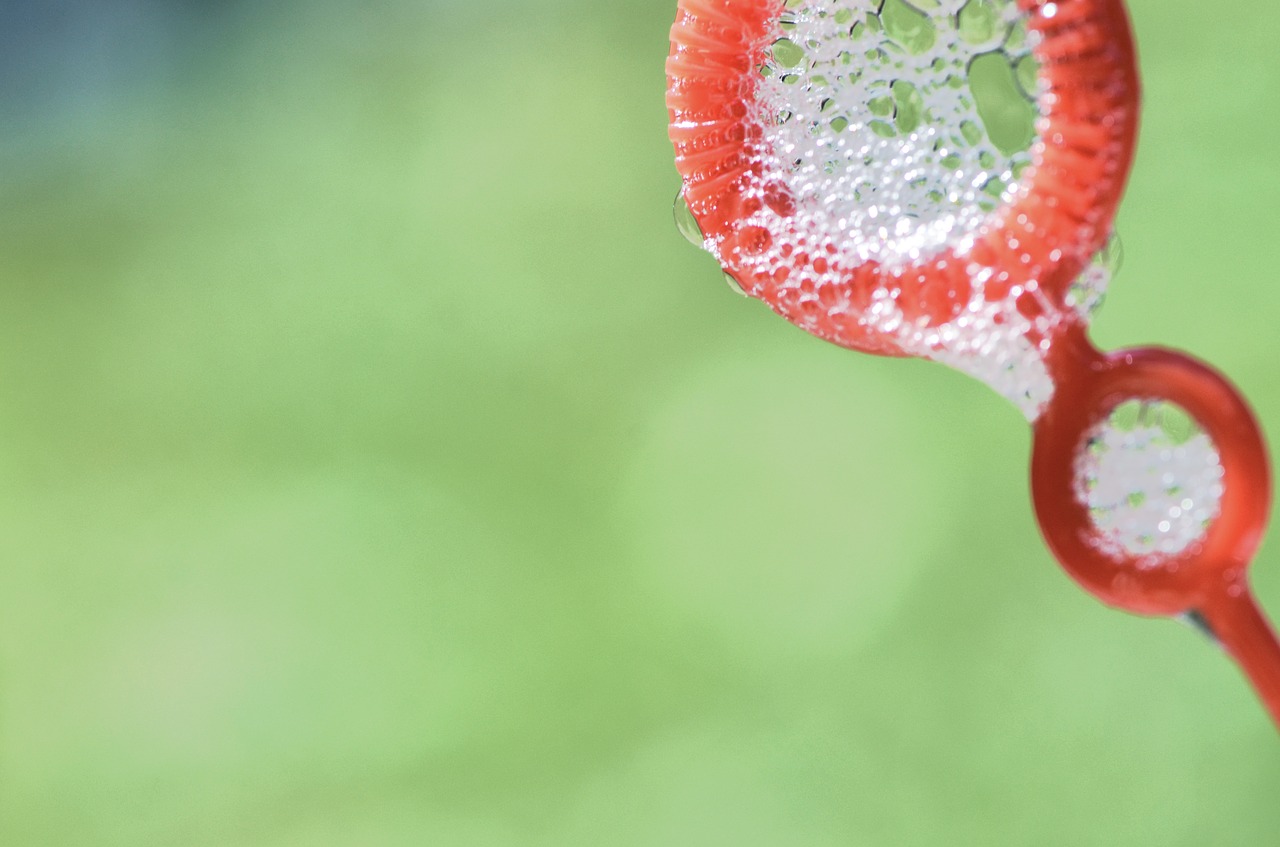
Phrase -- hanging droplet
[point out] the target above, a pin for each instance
(1112, 254)
(1090, 288)
(687, 223)
(735, 286)
(688, 226)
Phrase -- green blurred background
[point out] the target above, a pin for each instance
(380, 467)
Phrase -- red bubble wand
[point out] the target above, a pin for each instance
(938, 178)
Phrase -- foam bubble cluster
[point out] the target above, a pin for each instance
(895, 134)
(873, 119)
(1151, 479)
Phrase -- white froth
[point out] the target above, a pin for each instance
(871, 122)
(1150, 491)
(990, 342)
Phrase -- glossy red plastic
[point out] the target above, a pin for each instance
(1209, 578)
(1089, 112)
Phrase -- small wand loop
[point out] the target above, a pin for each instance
(1206, 577)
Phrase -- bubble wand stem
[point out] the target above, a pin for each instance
(1209, 577)
(1237, 622)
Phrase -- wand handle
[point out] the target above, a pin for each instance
(1240, 626)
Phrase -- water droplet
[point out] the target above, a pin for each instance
(687, 223)
(1112, 254)
(1087, 292)
(734, 285)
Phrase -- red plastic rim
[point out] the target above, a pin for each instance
(1156, 585)
(1088, 106)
